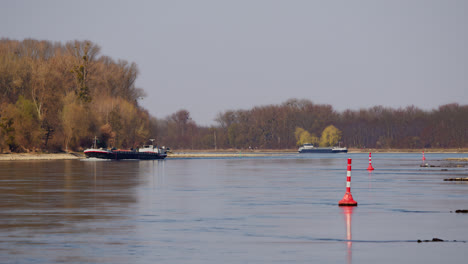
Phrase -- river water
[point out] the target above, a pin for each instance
(280, 209)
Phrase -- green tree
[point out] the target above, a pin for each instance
(330, 136)
(21, 125)
(85, 53)
(7, 134)
(297, 134)
(303, 136)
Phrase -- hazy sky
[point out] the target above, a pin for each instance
(211, 56)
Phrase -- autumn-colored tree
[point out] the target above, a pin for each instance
(181, 129)
(115, 121)
(107, 136)
(77, 123)
(69, 94)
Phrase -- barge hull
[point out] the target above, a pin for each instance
(123, 155)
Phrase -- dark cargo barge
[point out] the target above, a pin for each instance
(148, 152)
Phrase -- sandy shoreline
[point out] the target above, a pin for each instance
(72, 156)
(41, 156)
(457, 159)
(225, 154)
(217, 153)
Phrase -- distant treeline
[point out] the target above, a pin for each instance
(377, 127)
(56, 97)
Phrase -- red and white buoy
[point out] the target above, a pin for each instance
(424, 158)
(370, 163)
(348, 198)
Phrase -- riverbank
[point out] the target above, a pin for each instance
(41, 156)
(350, 150)
(219, 153)
(195, 154)
(77, 155)
(458, 159)
(457, 150)
(269, 152)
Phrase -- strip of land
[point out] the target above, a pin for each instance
(457, 159)
(434, 150)
(41, 156)
(224, 153)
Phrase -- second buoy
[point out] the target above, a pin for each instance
(370, 163)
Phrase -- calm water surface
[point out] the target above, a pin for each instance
(233, 210)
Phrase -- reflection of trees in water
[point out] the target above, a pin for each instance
(58, 193)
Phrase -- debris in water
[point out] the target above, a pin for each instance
(435, 239)
(456, 179)
(427, 165)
